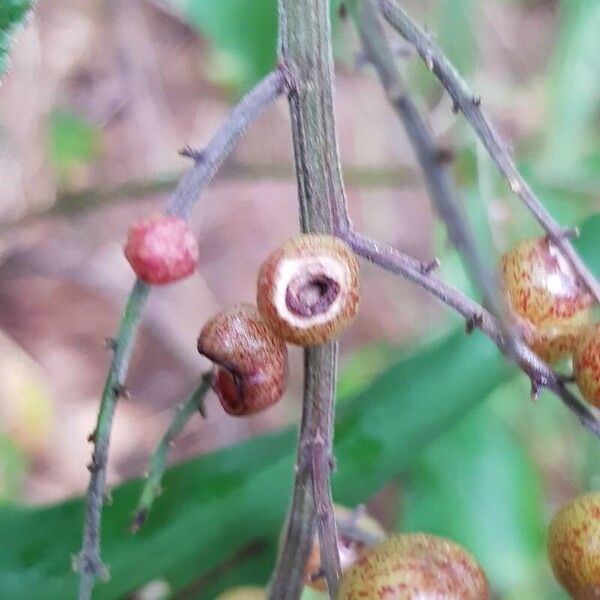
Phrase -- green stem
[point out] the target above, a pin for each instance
(157, 465)
(305, 52)
(89, 563)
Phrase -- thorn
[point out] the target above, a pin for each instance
(189, 152)
(536, 388)
(569, 232)
(515, 186)
(110, 343)
(342, 12)
(474, 321)
(428, 267)
(332, 463)
(121, 391)
(476, 101)
(455, 107)
(444, 155)
(91, 467)
(139, 520)
(92, 437)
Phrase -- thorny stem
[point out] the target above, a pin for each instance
(437, 178)
(193, 182)
(305, 52)
(89, 562)
(157, 464)
(470, 105)
(476, 316)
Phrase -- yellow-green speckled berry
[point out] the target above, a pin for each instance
(244, 593)
(549, 303)
(586, 365)
(574, 546)
(414, 567)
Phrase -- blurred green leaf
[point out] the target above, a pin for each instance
(455, 32)
(13, 466)
(477, 486)
(243, 32)
(217, 504)
(587, 243)
(575, 91)
(73, 141)
(12, 14)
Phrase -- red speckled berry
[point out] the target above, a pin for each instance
(161, 249)
(574, 546)
(308, 289)
(251, 360)
(586, 364)
(549, 303)
(414, 567)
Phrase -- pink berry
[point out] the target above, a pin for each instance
(161, 249)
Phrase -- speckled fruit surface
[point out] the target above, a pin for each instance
(244, 593)
(414, 567)
(308, 289)
(161, 249)
(574, 546)
(586, 365)
(252, 363)
(548, 301)
(348, 548)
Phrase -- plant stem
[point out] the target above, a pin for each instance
(207, 162)
(89, 562)
(72, 202)
(305, 52)
(157, 464)
(476, 316)
(470, 105)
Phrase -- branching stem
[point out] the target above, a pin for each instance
(193, 182)
(471, 106)
(157, 464)
(305, 51)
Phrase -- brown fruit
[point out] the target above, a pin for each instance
(574, 546)
(586, 364)
(549, 303)
(414, 567)
(350, 543)
(308, 289)
(251, 360)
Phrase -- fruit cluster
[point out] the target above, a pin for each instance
(307, 294)
(552, 310)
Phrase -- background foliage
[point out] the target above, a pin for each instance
(447, 426)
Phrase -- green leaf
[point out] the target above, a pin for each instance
(587, 243)
(13, 465)
(73, 141)
(12, 14)
(575, 91)
(244, 33)
(477, 486)
(215, 505)
(455, 33)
